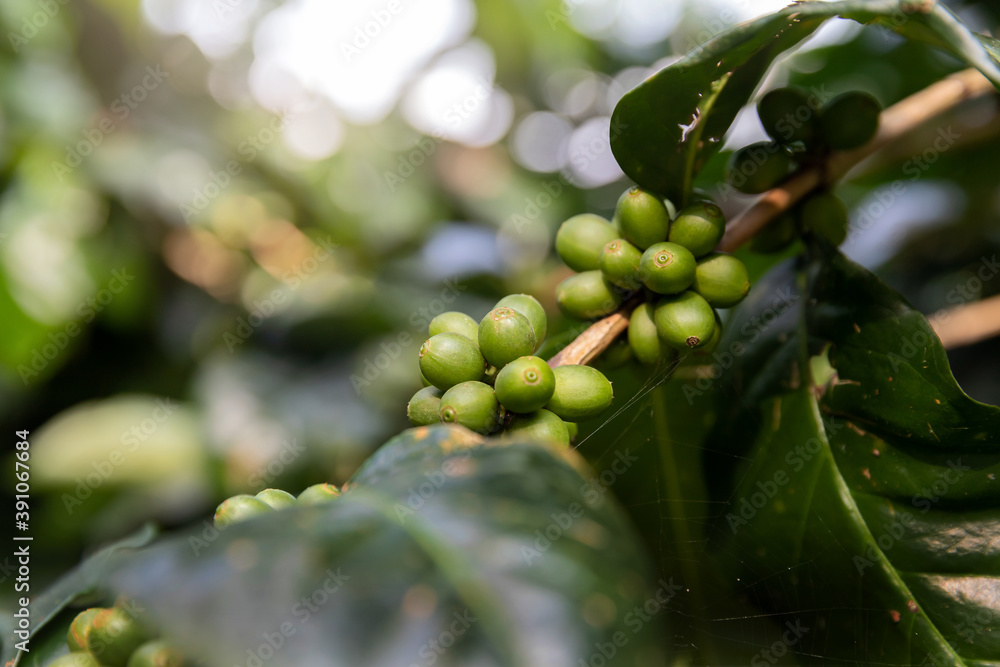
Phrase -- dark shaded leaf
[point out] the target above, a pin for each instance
(441, 539)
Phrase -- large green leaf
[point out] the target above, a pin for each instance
(77, 587)
(872, 509)
(675, 120)
(495, 547)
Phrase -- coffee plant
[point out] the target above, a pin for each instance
(750, 450)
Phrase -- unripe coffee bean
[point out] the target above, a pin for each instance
(646, 344)
(473, 405)
(423, 408)
(449, 358)
(454, 322)
(619, 263)
(758, 167)
(525, 384)
(540, 425)
(76, 638)
(156, 653)
(114, 635)
(581, 392)
(826, 215)
(777, 235)
(642, 217)
(713, 342)
(239, 508)
(788, 117)
(505, 335)
(721, 279)
(276, 498)
(667, 268)
(699, 228)
(587, 296)
(580, 239)
(318, 494)
(528, 306)
(684, 321)
(850, 120)
(573, 429)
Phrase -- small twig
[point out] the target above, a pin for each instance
(895, 122)
(595, 339)
(967, 324)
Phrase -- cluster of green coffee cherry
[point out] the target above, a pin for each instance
(802, 134)
(668, 257)
(245, 506)
(113, 637)
(484, 376)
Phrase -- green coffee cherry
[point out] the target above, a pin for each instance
(587, 296)
(619, 262)
(758, 167)
(684, 321)
(473, 405)
(573, 429)
(788, 117)
(667, 268)
(826, 215)
(581, 392)
(505, 335)
(276, 498)
(721, 279)
(77, 659)
(616, 355)
(713, 342)
(580, 239)
(528, 306)
(318, 494)
(449, 358)
(156, 653)
(540, 425)
(239, 508)
(423, 408)
(850, 120)
(454, 322)
(699, 228)
(642, 217)
(646, 344)
(776, 236)
(76, 638)
(114, 635)
(525, 384)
